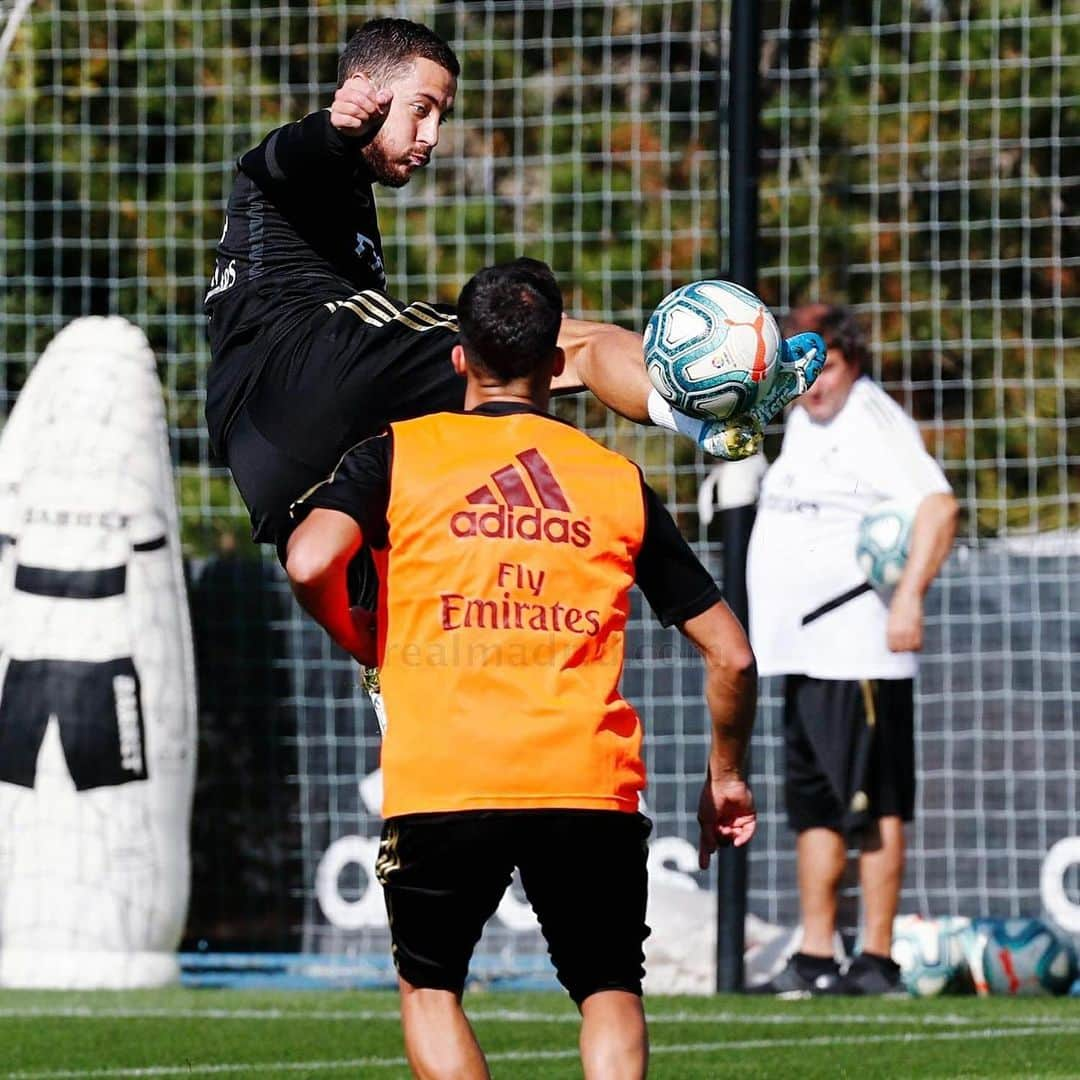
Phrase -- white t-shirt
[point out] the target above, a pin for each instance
(802, 550)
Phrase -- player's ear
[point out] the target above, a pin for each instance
(558, 363)
(457, 358)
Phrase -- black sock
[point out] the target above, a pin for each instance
(885, 964)
(810, 967)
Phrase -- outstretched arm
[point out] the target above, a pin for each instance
(932, 535)
(318, 554)
(726, 811)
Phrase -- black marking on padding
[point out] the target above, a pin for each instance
(5, 538)
(98, 709)
(151, 545)
(71, 584)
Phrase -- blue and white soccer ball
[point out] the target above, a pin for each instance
(1019, 957)
(882, 548)
(711, 349)
(931, 954)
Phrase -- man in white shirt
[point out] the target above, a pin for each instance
(849, 669)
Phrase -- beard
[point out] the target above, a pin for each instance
(384, 170)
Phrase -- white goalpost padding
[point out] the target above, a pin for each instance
(97, 705)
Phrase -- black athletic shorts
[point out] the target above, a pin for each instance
(98, 710)
(583, 871)
(327, 380)
(841, 772)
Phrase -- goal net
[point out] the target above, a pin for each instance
(914, 164)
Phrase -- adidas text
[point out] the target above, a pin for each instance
(502, 522)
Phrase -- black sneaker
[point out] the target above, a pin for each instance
(804, 976)
(870, 975)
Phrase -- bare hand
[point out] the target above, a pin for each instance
(904, 631)
(726, 815)
(358, 106)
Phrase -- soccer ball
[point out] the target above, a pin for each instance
(931, 954)
(1019, 957)
(711, 348)
(882, 547)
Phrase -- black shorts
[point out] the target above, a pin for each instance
(583, 871)
(98, 710)
(327, 380)
(841, 772)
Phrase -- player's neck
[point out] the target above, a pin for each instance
(519, 392)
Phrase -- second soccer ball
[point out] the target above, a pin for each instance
(882, 547)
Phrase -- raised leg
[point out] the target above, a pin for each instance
(608, 361)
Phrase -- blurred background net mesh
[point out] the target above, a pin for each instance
(918, 162)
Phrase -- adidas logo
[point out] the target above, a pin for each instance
(508, 508)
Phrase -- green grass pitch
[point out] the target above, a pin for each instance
(269, 1035)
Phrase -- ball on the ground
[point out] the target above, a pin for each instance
(711, 348)
(882, 548)
(1022, 957)
(931, 955)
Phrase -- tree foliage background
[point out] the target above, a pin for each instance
(917, 162)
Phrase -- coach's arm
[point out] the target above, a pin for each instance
(318, 555)
(932, 535)
(726, 811)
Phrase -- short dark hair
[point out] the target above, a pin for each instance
(838, 325)
(382, 47)
(509, 317)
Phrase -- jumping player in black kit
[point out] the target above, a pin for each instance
(310, 355)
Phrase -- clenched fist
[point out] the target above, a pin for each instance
(358, 107)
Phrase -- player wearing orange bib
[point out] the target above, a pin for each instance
(507, 543)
